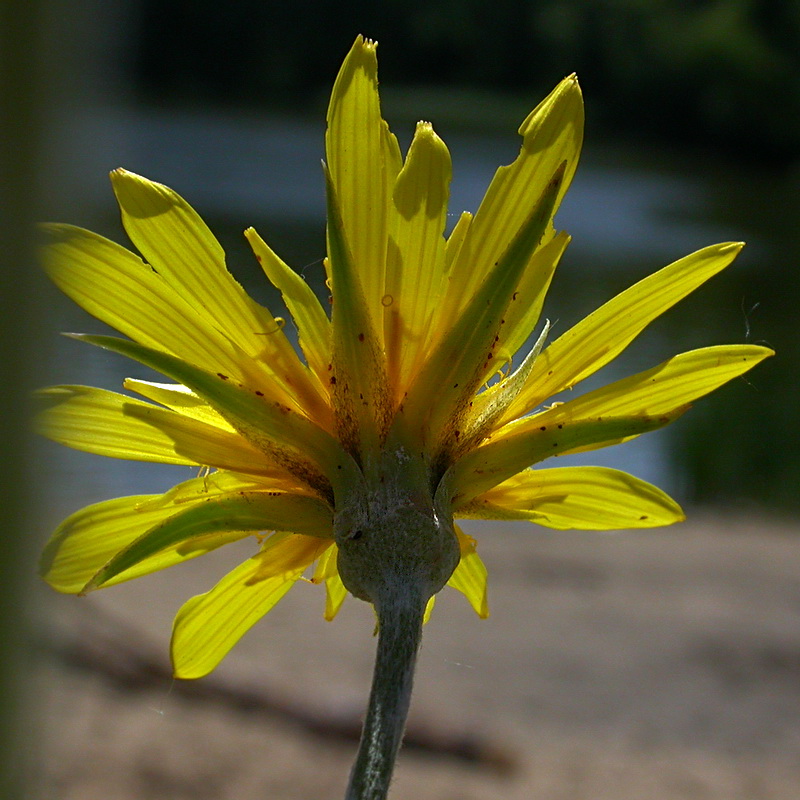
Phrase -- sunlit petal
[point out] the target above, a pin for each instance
(440, 394)
(91, 537)
(242, 511)
(660, 390)
(589, 498)
(118, 288)
(110, 424)
(210, 624)
(604, 334)
(313, 326)
(415, 269)
(469, 577)
(327, 573)
(359, 385)
(179, 398)
(280, 433)
(176, 242)
(364, 159)
(552, 134)
(502, 457)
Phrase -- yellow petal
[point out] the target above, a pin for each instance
(587, 498)
(522, 314)
(608, 415)
(118, 288)
(183, 251)
(364, 159)
(673, 383)
(428, 609)
(89, 538)
(489, 405)
(110, 424)
(240, 511)
(605, 333)
(519, 320)
(552, 134)
(327, 573)
(456, 239)
(313, 326)
(179, 398)
(335, 595)
(442, 390)
(211, 484)
(210, 624)
(416, 255)
(359, 386)
(504, 456)
(469, 576)
(290, 439)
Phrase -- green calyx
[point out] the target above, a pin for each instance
(395, 532)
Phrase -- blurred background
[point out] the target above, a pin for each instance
(692, 137)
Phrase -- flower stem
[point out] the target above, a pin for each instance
(399, 635)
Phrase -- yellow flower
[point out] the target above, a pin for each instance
(402, 410)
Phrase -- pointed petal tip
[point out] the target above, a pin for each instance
(566, 101)
(364, 43)
(364, 50)
(566, 89)
(735, 247)
(120, 175)
(426, 136)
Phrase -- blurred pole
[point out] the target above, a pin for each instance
(22, 93)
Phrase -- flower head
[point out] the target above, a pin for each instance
(405, 408)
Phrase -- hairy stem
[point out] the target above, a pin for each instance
(399, 635)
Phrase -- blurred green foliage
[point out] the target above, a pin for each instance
(724, 73)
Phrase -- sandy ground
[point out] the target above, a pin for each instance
(652, 665)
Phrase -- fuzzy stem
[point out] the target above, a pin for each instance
(399, 635)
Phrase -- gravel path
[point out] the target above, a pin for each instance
(661, 665)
